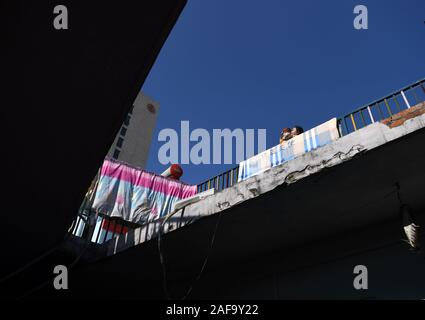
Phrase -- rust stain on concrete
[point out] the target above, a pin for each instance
(401, 117)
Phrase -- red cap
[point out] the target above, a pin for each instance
(176, 171)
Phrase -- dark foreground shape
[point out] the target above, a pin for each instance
(64, 96)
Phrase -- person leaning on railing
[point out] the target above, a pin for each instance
(288, 133)
(285, 135)
(296, 131)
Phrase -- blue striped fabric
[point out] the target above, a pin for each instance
(254, 165)
(306, 142)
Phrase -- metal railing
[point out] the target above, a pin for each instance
(105, 228)
(220, 182)
(383, 108)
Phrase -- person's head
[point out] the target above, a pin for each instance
(285, 134)
(296, 131)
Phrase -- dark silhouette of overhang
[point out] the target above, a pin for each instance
(65, 94)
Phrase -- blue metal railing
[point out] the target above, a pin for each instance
(383, 108)
(220, 182)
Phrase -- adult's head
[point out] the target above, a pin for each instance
(296, 131)
(285, 134)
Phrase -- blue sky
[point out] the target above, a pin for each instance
(272, 64)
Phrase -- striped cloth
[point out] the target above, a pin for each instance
(136, 195)
(309, 140)
(254, 165)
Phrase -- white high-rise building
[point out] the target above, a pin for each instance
(132, 142)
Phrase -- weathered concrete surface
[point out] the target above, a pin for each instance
(342, 150)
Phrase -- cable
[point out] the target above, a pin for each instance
(73, 263)
(161, 256)
(206, 258)
(31, 263)
(397, 191)
(37, 259)
(162, 260)
(41, 256)
(90, 193)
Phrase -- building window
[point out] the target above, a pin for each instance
(127, 120)
(131, 109)
(116, 154)
(120, 142)
(151, 108)
(123, 131)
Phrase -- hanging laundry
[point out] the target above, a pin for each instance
(136, 195)
(297, 146)
(254, 165)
